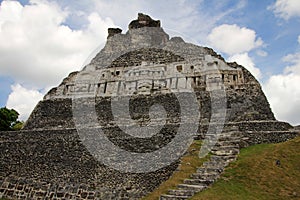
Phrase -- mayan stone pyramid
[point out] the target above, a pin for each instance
(117, 128)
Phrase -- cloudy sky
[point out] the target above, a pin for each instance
(42, 41)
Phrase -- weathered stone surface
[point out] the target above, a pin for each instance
(51, 114)
(55, 164)
(297, 127)
(176, 39)
(143, 21)
(113, 31)
(135, 58)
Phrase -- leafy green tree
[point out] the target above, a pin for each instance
(9, 120)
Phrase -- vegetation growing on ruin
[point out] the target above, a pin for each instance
(189, 164)
(265, 171)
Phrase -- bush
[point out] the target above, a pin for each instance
(9, 120)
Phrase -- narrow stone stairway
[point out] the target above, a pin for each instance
(225, 151)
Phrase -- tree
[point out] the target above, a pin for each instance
(9, 120)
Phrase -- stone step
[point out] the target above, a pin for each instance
(196, 188)
(229, 138)
(224, 158)
(221, 139)
(226, 147)
(172, 197)
(230, 146)
(203, 182)
(210, 169)
(273, 132)
(181, 192)
(234, 143)
(227, 152)
(214, 163)
(234, 149)
(224, 134)
(206, 176)
(220, 136)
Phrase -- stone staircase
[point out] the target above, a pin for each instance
(224, 152)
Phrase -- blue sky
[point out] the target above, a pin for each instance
(41, 41)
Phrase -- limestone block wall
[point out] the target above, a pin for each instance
(55, 164)
(50, 114)
(260, 137)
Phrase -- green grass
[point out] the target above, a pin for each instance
(189, 164)
(255, 174)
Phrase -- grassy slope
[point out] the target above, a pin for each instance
(255, 174)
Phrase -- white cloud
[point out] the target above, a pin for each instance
(286, 8)
(262, 53)
(284, 96)
(10, 11)
(232, 39)
(246, 61)
(294, 59)
(283, 91)
(23, 100)
(38, 49)
(237, 42)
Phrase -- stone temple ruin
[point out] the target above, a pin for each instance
(150, 78)
(50, 159)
